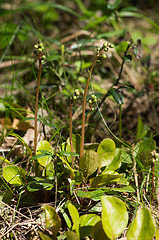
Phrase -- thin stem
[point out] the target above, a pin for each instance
(84, 103)
(122, 64)
(70, 133)
(120, 121)
(153, 190)
(36, 104)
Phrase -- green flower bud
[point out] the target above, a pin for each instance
(92, 109)
(74, 97)
(98, 61)
(77, 93)
(43, 57)
(103, 55)
(90, 102)
(98, 49)
(40, 49)
(110, 45)
(104, 45)
(36, 46)
(40, 45)
(106, 49)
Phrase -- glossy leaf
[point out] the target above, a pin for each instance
(14, 175)
(104, 179)
(116, 162)
(75, 217)
(114, 216)
(53, 221)
(87, 221)
(117, 95)
(89, 162)
(142, 227)
(44, 145)
(106, 151)
(98, 233)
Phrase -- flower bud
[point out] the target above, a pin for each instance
(74, 97)
(36, 46)
(43, 57)
(103, 55)
(40, 49)
(77, 93)
(90, 102)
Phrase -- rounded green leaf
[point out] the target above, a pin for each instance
(106, 151)
(53, 221)
(87, 221)
(98, 233)
(114, 216)
(71, 235)
(44, 145)
(75, 217)
(14, 175)
(89, 162)
(142, 227)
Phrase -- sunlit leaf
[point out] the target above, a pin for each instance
(106, 151)
(89, 162)
(105, 179)
(75, 217)
(142, 227)
(14, 175)
(44, 146)
(53, 221)
(87, 221)
(114, 216)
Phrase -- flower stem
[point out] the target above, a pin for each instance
(84, 103)
(36, 104)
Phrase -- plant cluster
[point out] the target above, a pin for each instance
(97, 190)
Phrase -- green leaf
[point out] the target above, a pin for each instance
(104, 179)
(87, 221)
(94, 195)
(89, 162)
(114, 216)
(72, 186)
(67, 154)
(45, 158)
(106, 151)
(43, 236)
(117, 95)
(142, 227)
(78, 177)
(116, 162)
(157, 234)
(38, 183)
(53, 221)
(142, 129)
(14, 175)
(75, 217)
(98, 233)
(72, 235)
(65, 216)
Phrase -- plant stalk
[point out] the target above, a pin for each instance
(36, 104)
(70, 133)
(84, 103)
